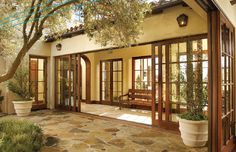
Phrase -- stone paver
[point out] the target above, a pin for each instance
(72, 132)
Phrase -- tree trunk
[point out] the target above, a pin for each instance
(20, 56)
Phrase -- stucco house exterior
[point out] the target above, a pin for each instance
(83, 71)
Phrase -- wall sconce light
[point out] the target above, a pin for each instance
(182, 20)
(59, 46)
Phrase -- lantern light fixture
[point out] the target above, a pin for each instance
(59, 46)
(182, 20)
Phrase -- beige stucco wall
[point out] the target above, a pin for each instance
(159, 27)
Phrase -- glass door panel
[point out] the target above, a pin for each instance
(68, 82)
(38, 81)
(111, 80)
(106, 80)
(227, 75)
(181, 71)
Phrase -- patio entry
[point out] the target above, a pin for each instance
(68, 83)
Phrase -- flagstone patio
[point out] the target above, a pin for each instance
(77, 132)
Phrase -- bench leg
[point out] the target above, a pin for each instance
(119, 105)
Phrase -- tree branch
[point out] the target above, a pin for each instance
(37, 15)
(54, 10)
(26, 47)
(26, 21)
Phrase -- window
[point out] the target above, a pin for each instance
(142, 73)
(111, 80)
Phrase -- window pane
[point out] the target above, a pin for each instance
(40, 64)
(115, 76)
(41, 97)
(137, 64)
(173, 52)
(119, 65)
(183, 47)
(174, 72)
(115, 66)
(41, 76)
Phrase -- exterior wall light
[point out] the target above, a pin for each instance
(182, 20)
(59, 46)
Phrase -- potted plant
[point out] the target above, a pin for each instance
(20, 85)
(193, 124)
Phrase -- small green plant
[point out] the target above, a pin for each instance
(20, 136)
(20, 83)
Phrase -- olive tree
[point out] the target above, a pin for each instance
(24, 22)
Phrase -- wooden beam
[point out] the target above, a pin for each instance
(214, 82)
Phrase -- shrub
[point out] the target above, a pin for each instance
(20, 84)
(20, 136)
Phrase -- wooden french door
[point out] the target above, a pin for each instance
(38, 81)
(227, 106)
(161, 105)
(174, 64)
(68, 82)
(111, 81)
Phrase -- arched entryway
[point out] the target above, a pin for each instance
(86, 67)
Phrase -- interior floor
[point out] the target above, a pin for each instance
(134, 115)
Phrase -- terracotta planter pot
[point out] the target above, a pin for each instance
(22, 108)
(194, 133)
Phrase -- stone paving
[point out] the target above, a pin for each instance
(76, 132)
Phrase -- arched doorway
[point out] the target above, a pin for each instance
(86, 77)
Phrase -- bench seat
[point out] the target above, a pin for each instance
(136, 97)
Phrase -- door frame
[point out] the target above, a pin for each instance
(36, 104)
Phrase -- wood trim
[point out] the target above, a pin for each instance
(100, 81)
(74, 83)
(214, 82)
(55, 82)
(160, 85)
(153, 86)
(88, 78)
(69, 107)
(133, 73)
(79, 83)
(111, 82)
(167, 103)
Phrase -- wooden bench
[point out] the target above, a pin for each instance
(136, 97)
